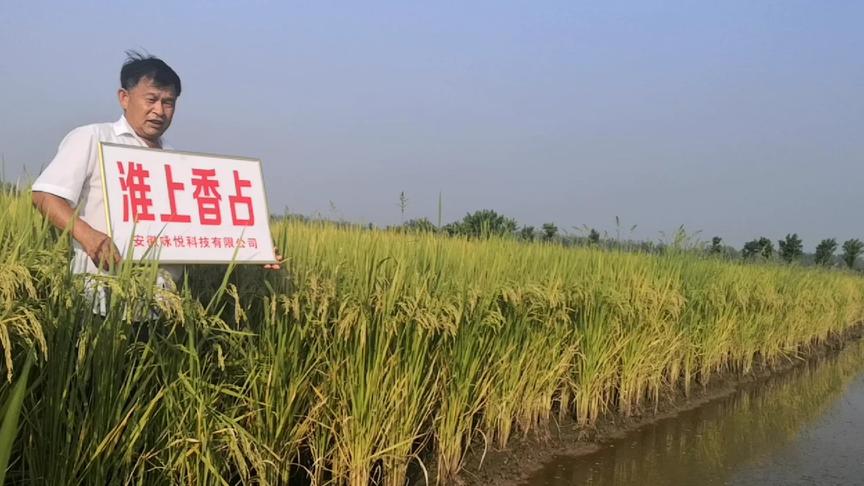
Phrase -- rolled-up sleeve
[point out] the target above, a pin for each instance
(66, 174)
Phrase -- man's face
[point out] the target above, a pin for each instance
(149, 109)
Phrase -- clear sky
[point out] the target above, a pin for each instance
(736, 118)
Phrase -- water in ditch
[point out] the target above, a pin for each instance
(804, 427)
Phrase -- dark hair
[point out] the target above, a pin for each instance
(138, 66)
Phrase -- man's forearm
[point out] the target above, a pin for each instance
(61, 215)
(96, 244)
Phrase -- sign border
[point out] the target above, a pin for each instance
(185, 152)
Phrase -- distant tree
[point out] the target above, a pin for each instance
(594, 237)
(421, 225)
(549, 231)
(453, 229)
(825, 251)
(750, 250)
(483, 223)
(791, 248)
(851, 251)
(761, 247)
(766, 248)
(717, 248)
(527, 233)
(716, 245)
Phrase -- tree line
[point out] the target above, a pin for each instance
(790, 249)
(486, 222)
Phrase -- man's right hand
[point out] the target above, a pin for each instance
(101, 249)
(97, 244)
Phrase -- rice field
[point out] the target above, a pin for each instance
(372, 352)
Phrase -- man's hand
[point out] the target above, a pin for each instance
(277, 265)
(100, 248)
(97, 244)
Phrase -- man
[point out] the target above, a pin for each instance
(72, 181)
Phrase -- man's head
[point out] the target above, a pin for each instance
(148, 93)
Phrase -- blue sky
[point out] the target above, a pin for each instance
(736, 118)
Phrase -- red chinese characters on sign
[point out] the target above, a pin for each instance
(173, 187)
(207, 195)
(138, 203)
(240, 200)
(192, 241)
(136, 190)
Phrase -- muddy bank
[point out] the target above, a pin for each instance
(563, 438)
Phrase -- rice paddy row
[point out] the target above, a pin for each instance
(373, 350)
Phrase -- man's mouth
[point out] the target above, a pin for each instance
(156, 123)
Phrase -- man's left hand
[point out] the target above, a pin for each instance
(277, 265)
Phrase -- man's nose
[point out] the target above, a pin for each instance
(158, 108)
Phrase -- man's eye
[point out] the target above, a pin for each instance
(151, 100)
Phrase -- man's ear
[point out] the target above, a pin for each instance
(123, 98)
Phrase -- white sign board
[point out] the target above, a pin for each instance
(184, 207)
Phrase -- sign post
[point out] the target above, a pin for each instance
(182, 207)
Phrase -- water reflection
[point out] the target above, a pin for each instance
(803, 427)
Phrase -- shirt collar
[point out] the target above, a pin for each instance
(122, 127)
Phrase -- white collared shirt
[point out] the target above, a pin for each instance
(74, 175)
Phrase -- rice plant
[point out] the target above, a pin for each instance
(372, 354)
